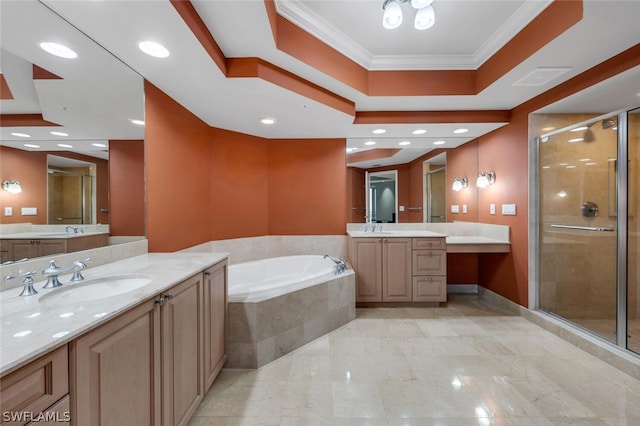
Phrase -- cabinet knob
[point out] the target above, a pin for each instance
(168, 296)
(159, 301)
(207, 274)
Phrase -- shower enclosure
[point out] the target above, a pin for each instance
(588, 235)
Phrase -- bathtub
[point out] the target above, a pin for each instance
(279, 304)
(267, 278)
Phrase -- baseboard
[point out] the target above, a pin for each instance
(462, 288)
(600, 348)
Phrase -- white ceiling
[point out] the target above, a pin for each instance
(105, 93)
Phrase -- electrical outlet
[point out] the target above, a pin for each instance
(492, 209)
(8, 211)
(455, 208)
(508, 209)
(29, 211)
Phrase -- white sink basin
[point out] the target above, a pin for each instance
(96, 289)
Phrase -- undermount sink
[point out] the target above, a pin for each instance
(96, 289)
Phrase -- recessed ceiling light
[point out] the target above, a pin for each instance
(99, 145)
(547, 129)
(458, 131)
(59, 133)
(65, 145)
(439, 142)
(21, 135)
(579, 129)
(576, 140)
(370, 143)
(267, 120)
(138, 122)
(58, 50)
(405, 143)
(154, 49)
(31, 145)
(419, 132)
(379, 131)
(351, 149)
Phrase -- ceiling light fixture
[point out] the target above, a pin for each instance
(459, 183)
(65, 145)
(58, 50)
(458, 131)
(12, 186)
(268, 120)
(31, 145)
(485, 179)
(419, 132)
(99, 145)
(370, 143)
(136, 121)
(439, 142)
(154, 49)
(21, 135)
(59, 133)
(379, 131)
(392, 14)
(404, 143)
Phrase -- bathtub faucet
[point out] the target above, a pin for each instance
(341, 264)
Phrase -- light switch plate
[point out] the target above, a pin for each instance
(464, 208)
(8, 211)
(492, 209)
(455, 208)
(508, 209)
(29, 211)
(401, 208)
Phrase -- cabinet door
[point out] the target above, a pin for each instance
(19, 249)
(215, 321)
(429, 289)
(48, 247)
(429, 262)
(367, 263)
(115, 374)
(396, 270)
(182, 351)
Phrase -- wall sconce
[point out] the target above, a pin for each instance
(485, 179)
(12, 186)
(459, 183)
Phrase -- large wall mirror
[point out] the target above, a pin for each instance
(63, 115)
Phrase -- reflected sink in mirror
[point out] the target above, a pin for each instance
(96, 289)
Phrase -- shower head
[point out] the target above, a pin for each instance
(608, 123)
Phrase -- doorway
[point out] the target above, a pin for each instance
(381, 194)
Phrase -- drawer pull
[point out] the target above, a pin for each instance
(159, 301)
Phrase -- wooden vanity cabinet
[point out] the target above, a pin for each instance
(383, 269)
(215, 321)
(19, 249)
(145, 366)
(39, 387)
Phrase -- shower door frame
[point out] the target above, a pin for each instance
(622, 177)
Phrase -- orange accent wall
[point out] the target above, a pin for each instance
(126, 180)
(40, 73)
(178, 174)
(307, 190)
(463, 162)
(5, 91)
(416, 185)
(30, 168)
(239, 185)
(356, 199)
(24, 120)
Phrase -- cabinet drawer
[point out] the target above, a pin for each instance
(429, 243)
(430, 289)
(36, 386)
(429, 262)
(56, 415)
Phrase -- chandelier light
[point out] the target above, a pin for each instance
(392, 15)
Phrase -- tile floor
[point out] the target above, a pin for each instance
(466, 364)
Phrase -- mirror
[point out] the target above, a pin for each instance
(81, 109)
(435, 189)
(381, 196)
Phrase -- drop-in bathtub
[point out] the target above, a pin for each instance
(279, 304)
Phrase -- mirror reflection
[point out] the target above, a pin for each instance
(67, 127)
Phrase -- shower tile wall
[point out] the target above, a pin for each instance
(578, 267)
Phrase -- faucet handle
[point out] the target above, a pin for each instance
(52, 269)
(28, 289)
(78, 266)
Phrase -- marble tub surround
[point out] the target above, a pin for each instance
(260, 332)
(99, 256)
(255, 248)
(461, 237)
(33, 325)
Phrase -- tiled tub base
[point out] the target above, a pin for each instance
(260, 332)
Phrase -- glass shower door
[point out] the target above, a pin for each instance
(578, 237)
(633, 234)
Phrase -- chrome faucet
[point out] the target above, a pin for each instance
(28, 289)
(75, 228)
(341, 264)
(53, 271)
(78, 266)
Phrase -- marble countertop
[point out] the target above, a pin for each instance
(31, 326)
(397, 234)
(49, 235)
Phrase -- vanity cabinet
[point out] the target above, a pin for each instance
(215, 321)
(39, 388)
(20, 249)
(146, 365)
(383, 269)
(398, 269)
